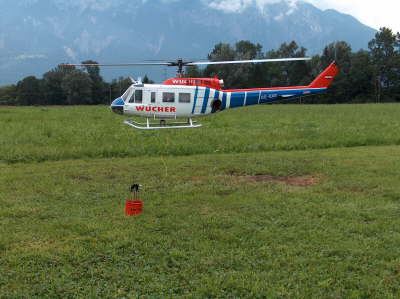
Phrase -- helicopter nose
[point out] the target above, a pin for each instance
(117, 106)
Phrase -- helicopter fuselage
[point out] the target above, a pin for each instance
(158, 101)
(194, 97)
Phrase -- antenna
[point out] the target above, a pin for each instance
(336, 50)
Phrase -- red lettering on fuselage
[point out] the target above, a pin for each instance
(155, 109)
(187, 82)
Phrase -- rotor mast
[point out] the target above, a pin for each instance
(180, 64)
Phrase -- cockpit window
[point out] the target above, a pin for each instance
(137, 96)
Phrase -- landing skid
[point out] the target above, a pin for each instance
(162, 124)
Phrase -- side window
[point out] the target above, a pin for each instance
(184, 97)
(153, 97)
(168, 97)
(138, 96)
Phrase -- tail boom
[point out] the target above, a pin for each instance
(319, 85)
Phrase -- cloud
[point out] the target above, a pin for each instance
(230, 5)
(237, 6)
(32, 56)
(372, 13)
(70, 53)
(86, 43)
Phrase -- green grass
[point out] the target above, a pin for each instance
(41, 134)
(205, 232)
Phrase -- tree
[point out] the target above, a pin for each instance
(119, 86)
(341, 53)
(235, 75)
(193, 71)
(248, 74)
(146, 80)
(287, 73)
(219, 53)
(385, 58)
(8, 95)
(361, 77)
(77, 86)
(98, 86)
(30, 91)
(52, 84)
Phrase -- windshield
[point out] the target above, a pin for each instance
(128, 93)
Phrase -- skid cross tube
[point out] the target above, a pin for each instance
(163, 124)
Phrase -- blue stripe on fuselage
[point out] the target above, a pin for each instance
(252, 97)
(237, 99)
(223, 105)
(195, 99)
(267, 96)
(205, 101)
(216, 97)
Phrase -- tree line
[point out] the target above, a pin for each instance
(371, 75)
(66, 85)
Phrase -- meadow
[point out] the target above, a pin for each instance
(267, 201)
(41, 134)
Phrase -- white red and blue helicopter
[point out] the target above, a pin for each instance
(162, 104)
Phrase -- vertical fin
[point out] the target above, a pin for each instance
(326, 77)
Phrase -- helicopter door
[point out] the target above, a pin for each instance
(150, 100)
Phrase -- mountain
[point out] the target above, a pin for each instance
(36, 35)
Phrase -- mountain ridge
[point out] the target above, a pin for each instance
(55, 31)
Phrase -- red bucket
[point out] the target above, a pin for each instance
(133, 207)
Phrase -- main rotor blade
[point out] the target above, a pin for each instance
(248, 61)
(185, 63)
(116, 64)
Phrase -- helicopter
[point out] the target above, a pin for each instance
(162, 105)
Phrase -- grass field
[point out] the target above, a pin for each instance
(268, 201)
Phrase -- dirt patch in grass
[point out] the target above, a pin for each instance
(299, 181)
(80, 177)
(197, 179)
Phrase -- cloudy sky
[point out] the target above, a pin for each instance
(372, 13)
(376, 14)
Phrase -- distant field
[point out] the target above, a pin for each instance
(58, 133)
(273, 201)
